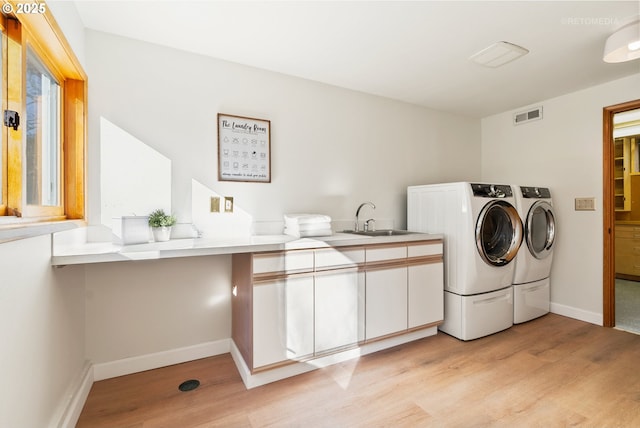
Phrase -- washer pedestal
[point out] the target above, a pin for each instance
(530, 300)
(472, 317)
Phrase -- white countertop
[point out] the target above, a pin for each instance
(17, 229)
(101, 252)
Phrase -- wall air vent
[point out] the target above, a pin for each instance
(527, 116)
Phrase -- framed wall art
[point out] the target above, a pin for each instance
(244, 149)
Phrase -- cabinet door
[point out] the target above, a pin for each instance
(339, 309)
(426, 294)
(386, 301)
(627, 243)
(282, 320)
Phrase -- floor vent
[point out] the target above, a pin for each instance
(189, 385)
(527, 116)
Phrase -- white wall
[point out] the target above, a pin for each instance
(41, 333)
(564, 152)
(67, 17)
(141, 308)
(42, 322)
(331, 150)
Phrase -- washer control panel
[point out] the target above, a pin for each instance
(535, 192)
(491, 190)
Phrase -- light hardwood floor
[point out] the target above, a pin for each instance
(550, 372)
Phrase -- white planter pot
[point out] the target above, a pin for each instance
(161, 234)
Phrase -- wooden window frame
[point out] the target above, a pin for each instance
(3, 139)
(41, 33)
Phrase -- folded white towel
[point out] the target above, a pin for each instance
(306, 218)
(308, 233)
(307, 227)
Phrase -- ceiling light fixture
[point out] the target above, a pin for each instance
(498, 54)
(624, 44)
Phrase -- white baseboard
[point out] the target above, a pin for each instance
(579, 314)
(72, 403)
(141, 363)
(262, 378)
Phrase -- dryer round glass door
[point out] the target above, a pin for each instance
(540, 229)
(498, 233)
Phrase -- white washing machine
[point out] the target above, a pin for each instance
(482, 234)
(531, 283)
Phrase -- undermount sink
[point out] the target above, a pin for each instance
(381, 232)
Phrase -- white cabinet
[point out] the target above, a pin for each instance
(339, 298)
(282, 320)
(386, 253)
(335, 258)
(386, 301)
(425, 296)
(289, 262)
(339, 309)
(404, 287)
(297, 305)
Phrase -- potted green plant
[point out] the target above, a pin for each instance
(161, 223)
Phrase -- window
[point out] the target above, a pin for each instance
(42, 174)
(43, 135)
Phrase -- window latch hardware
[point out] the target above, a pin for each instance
(11, 119)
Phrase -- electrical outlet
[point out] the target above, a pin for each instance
(585, 204)
(215, 204)
(228, 204)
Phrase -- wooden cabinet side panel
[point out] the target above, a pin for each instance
(242, 306)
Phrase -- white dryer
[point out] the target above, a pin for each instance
(531, 283)
(482, 234)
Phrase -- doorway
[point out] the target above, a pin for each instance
(613, 185)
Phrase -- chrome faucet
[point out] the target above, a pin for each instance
(356, 228)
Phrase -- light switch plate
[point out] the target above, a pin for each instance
(228, 204)
(215, 204)
(585, 204)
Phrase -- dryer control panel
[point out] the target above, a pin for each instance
(535, 192)
(491, 190)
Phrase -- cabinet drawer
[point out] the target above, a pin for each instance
(377, 254)
(336, 257)
(624, 246)
(424, 249)
(627, 232)
(291, 261)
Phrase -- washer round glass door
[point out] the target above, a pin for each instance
(498, 233)
(540, 229)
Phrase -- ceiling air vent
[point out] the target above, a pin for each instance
(527, 116)
(498, 54)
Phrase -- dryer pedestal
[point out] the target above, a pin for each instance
(530, 300)
(472, 317)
